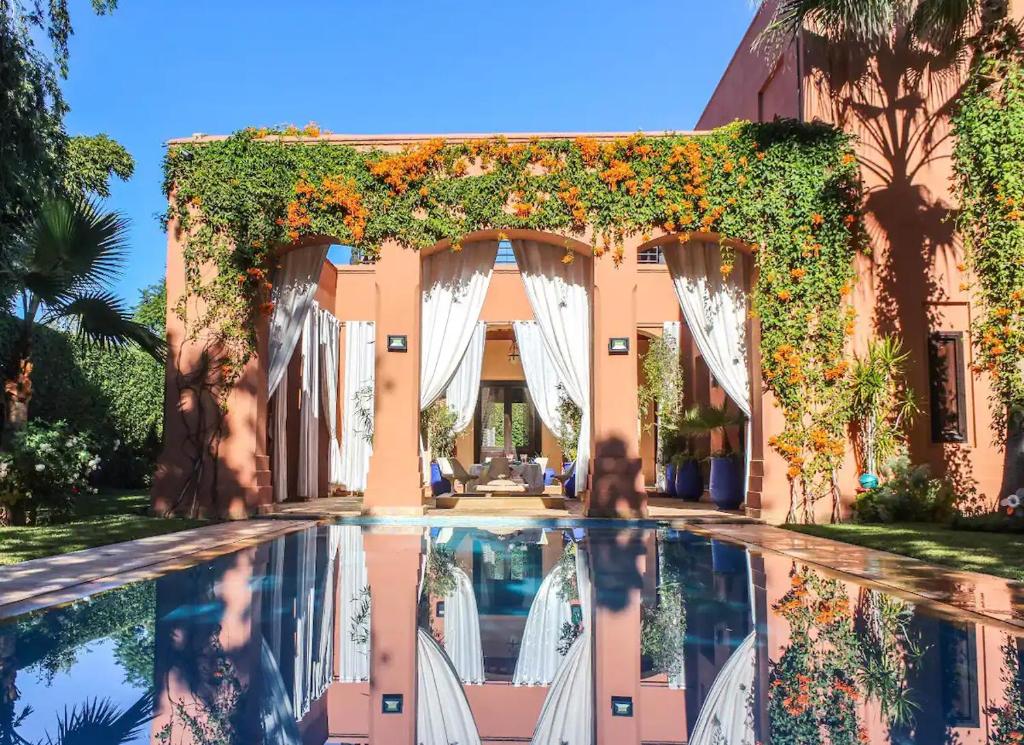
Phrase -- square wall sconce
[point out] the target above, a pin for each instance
(618, 345)
(391, 703)
(398, 343)
(622, 706)
(440, 609)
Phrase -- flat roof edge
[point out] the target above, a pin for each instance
(402, 139)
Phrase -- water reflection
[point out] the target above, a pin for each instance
(457, 635)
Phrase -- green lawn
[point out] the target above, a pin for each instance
(1001, 554)
(111, 516)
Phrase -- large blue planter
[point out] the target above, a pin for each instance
(726, 483)
(438, 484)
(549, 476)
(689, 481)
(670, 479)
(569, 487)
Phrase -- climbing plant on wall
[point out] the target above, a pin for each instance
(788, 191)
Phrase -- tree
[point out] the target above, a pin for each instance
(61, 270)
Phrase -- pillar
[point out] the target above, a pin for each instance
(210, 466)
(616, 477)
(392, 566)
(394, 485)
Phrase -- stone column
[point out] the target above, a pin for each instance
(616, 481)
(394, 485)
(393, 565)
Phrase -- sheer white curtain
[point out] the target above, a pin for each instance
(715, 309)
(464, 389)
(295, 284)
(559, 295)
(322, 668)
(541, 373)
(305, 614)
(308, 482)
(539, 659)
(454, 287)
(357, 418)
(725, 715)
(354, 651)
(443, 716)
(279, 722)
(568, 712)
(462, 630)
(330, 340)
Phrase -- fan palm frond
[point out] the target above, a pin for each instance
(945, 24)
(869, 21)
(100, 722)
(101, 318)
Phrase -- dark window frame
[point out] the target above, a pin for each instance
(937, 385)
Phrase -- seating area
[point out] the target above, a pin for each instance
(500, 476)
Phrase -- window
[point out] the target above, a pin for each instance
(650, 256)
(946, 386)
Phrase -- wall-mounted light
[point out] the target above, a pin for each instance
(398, 343)
(618, 345)
(391, 703)
(440, 609)
(622, 706)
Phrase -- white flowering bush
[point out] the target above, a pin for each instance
(45, 466)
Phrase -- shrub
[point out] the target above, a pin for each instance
(990, 522)
(908, 494)
(45, 466)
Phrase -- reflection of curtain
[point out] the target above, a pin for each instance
(308, 482)
(568, 713)
(715, 309)
(540, 371)
(294, 285)
(454, 287)
(671, 331)
(725, 715)
(322, 668)
(354, 656)
(330, 332)
(305, 616)
(462, 392)
(538, 654)
(275, 709)
(559, 295)
(360, 366)
(443, 716)
(462, 630)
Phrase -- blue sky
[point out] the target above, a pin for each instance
(157, 69)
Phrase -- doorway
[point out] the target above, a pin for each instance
(506, 422)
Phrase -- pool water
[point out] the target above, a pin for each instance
(456, 635)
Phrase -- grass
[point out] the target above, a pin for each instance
(1001, 554)
(111, 516)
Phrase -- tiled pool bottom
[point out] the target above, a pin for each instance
(556, 634)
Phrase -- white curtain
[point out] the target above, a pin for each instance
(462, 630)
(276, 712)
(295, 283)
(357, 434)
(308, 482)
(464, 389)
(330, 339)
(540, 371)
(725, 715)
(715, 309)
(354, 654)
(567, 717)
(443, 716)
(538, 653)
(322, 668)
(559, 295)
(671, 331)
(454, 287)
(305, 615)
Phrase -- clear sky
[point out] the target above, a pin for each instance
(157, 69)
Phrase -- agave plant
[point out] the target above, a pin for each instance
(66, 259)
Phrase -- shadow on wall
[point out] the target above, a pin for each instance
(898, 100)
(616, 489)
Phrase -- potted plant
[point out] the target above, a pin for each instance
(439, 425)
(726, 481)
(689, 481)
(571, 416)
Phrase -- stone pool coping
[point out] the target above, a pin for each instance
(58, 580)
(953, 594)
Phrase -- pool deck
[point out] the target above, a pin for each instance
(56, 580)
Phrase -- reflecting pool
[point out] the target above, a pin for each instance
(457, 636)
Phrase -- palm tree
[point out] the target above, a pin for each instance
(66, 258)
(100, 722)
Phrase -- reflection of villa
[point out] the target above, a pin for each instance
(501, 327)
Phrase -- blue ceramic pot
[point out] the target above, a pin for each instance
(438, 483)
(569, 487)
(689, 481)
(670, 479)
(726, 487)
(549, 476)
